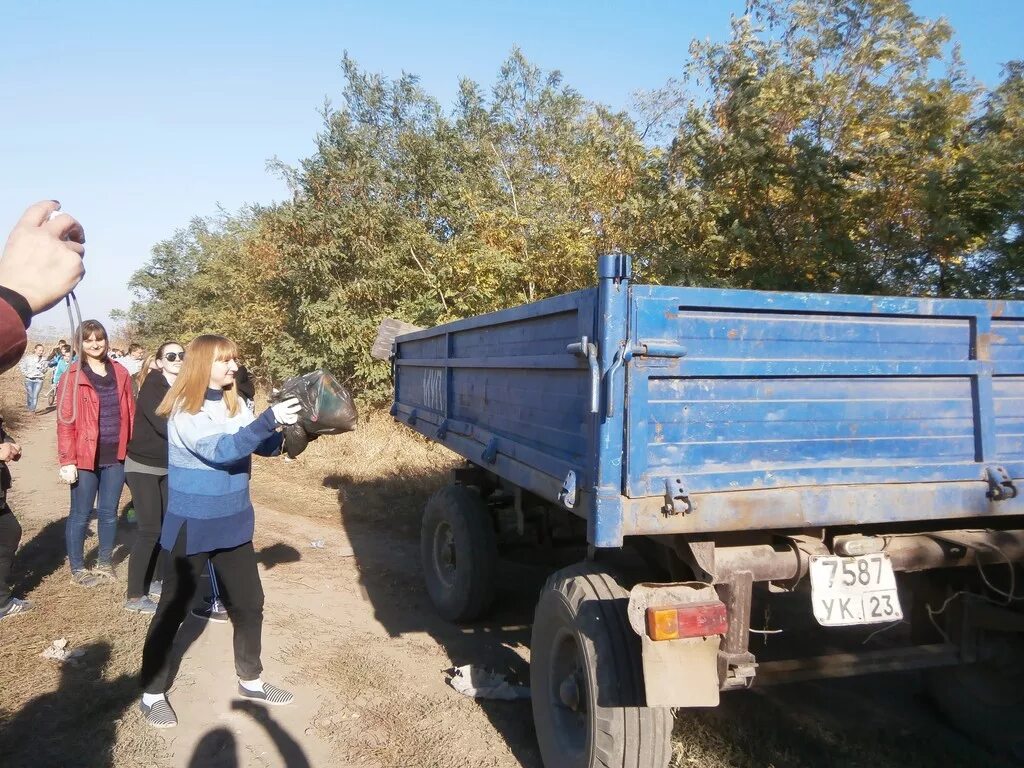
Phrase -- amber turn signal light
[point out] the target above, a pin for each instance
(673, 622)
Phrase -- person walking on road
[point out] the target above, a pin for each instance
(146, 473)
(60, 367)
(33, 367)
(95, 414)
(211, 437)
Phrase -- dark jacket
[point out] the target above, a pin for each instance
(244, 385)
(149, 437)
(5, 473)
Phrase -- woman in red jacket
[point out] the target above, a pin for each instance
(93, 428)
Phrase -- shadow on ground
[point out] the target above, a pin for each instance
(41, 556)
(884, 721)
(46, 552)
(218, 748)
(74, 725)
(277, 554)
(390, 575)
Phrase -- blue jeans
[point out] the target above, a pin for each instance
(106, 482)
(32, 387)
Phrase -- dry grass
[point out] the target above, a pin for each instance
(12, 401)
(42, 696)
(54, 713)
(382, 472)
(847, 724)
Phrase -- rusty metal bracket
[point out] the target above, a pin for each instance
(677, 498)
(737, 666)
(698, 555)
(1000, 486)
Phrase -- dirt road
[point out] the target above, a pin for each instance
(344, 630)
(350, 631)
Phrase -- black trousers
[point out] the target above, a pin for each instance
(10, 537)
(147, 560)
(236, 570)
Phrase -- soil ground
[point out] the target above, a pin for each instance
(350, 630)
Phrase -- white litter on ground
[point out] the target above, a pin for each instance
(480, 683)
(59, 651)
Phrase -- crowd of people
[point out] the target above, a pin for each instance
(178, 426)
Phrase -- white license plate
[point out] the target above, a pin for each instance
(854, 590)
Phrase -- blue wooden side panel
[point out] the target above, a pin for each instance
(1006, 351)
(779, 390)
(1009, 409)
(505, 383)
(543, 412)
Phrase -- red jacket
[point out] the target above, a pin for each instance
(77, 442)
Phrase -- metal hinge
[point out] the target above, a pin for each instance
(677, 499)
(490, 454)
(1000, 486)
(568, 493)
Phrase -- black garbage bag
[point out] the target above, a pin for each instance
(327, 409)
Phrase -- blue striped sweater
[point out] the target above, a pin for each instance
(208, 466)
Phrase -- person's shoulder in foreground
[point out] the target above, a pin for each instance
(41, 264)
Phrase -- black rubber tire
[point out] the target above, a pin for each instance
(582, 610)
(463, 589)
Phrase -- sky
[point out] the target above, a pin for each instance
(140, 116)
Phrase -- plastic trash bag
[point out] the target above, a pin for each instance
(327, 409)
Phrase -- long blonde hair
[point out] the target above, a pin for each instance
(188, 391)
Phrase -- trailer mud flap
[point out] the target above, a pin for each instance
(679, 672)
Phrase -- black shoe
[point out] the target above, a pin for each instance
(214, 612)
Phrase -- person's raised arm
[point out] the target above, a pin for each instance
(204, 438)
(41, 264)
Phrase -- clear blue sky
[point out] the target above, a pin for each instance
(139, 116)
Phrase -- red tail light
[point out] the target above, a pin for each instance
(673, 622)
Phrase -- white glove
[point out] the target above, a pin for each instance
(287, 412)
(69, 474)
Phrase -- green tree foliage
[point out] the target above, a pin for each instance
(829, 146)
(824, 154)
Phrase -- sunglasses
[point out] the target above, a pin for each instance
(172, 357)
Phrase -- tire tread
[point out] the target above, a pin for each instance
(631, 736)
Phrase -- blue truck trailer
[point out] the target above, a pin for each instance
(861, 455)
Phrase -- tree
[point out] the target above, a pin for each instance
(827, 146)
(826, 155)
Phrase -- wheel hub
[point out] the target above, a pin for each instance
(444, 554)
(569, 692)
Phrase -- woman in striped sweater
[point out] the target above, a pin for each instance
(211, 437)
